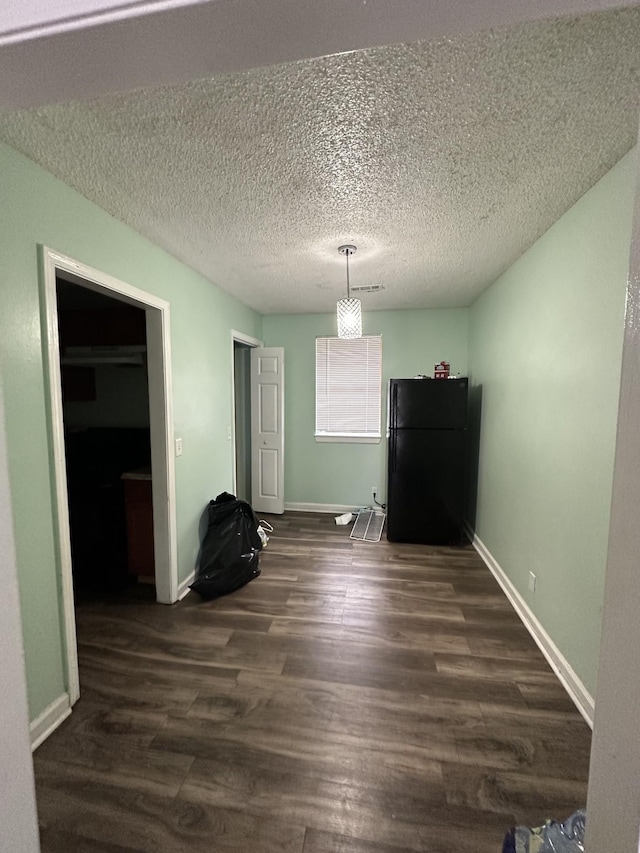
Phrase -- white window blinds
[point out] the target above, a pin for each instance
(348, 386)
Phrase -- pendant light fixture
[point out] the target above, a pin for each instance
(349, 310)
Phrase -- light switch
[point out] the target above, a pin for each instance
(178, 447)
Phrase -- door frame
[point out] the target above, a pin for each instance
(161, 433)
(241, 338)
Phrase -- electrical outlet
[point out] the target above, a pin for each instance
(178, 447)
(374, 491)
(532, 582)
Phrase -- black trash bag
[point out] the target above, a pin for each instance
(230, 549)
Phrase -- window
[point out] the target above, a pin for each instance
(348, 382)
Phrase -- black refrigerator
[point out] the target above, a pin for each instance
(427, 461)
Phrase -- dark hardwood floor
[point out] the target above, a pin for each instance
(355, 698)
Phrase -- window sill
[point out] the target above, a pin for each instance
(350, 439)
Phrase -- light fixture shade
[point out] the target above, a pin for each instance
(349, 318)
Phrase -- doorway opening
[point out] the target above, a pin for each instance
(107, 354)
(241, 360)
(105, 413)
(242, 418)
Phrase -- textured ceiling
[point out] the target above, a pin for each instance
(441, 161)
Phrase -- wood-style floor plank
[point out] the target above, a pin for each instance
(150, 823)
(525, 796)
(355, 698)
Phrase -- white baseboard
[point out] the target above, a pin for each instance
(579, 694)
(49, 720)
(183, 586)
(329, 508)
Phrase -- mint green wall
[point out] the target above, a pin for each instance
(36, 208)
(343, 474)
(545, 347)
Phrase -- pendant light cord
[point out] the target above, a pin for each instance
(347, 256)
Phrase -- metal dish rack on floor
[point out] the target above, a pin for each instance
(368, 526)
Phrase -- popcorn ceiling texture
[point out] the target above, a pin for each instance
(443, 161)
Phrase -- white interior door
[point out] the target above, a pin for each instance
(267, 429)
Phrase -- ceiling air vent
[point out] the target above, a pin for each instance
(366, 288)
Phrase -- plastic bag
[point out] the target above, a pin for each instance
(553, 837)
(230, 549)
(264, 528)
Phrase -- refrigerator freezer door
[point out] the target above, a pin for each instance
(427, 486)
(428, 403)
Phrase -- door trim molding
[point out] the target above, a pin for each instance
(244, 339)
(241, 338)
(161, 428)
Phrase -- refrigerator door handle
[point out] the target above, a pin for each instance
(394, 406)
(394, 441)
